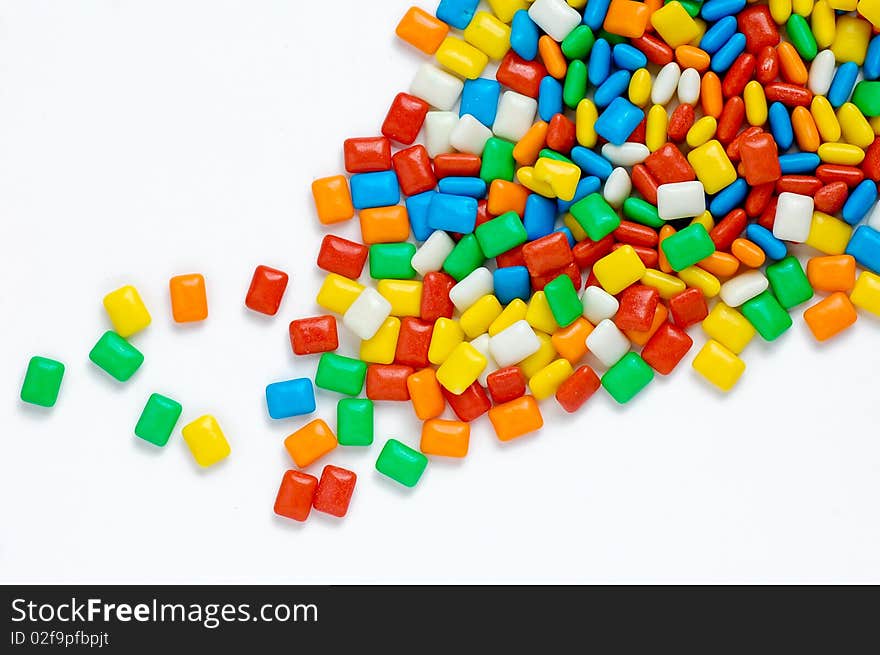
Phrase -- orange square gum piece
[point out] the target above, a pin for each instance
(640, 338)
(830, 316)
(189, 301)
(384, 224)
(332, 199)
(570, 342)
(422, 30)
(516, 418)
(832, 273)
(312, 441)
(507, 196)
(445, 438)
(627, 18)
(425, 394)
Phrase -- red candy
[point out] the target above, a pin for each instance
(435, 297)
(506, 384)
(413, 342)
(728, 229)
(577, 389)
(805, 185)
(840, 173)
(666, 348)
(767, 67)
(266, 290)
(457, 164)
(367, 154)
(831, 197)
(512, 257)
(538, 282)
(732, 116)
(561, 134)
(654, 49)
(758, 198)
(760, 159)
(649, 256)
(768, 217)
(733, 147)
(470, 404)
(295, 495)
(338, 255)
(738, 75)
(405, 118)
(871, 162)
(388, 381)
(414, 172)
(547, 254)
(638, 134)
(688, 307)
(681, 120)
(313, 335)
(759, 28)
(636, 234)
(520, 75)
(637, 306)
(333, 494)
(788, 94)
(644, 182)
(667, 164)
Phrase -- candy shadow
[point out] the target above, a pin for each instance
(36, 412)
(292, 525)
(395, 487)
(147, 448)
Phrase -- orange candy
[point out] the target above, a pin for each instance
(425, 394)
(830, 316)
(506, 196)
(422, 30)
(315, 439)
(750, 254)
(570, 342)
(627, 18)
(805, 131)
(791, 64)
(446, 438)
(526, 151)
(832, 273)
(689, 56)
(665, 232)
(720, 264)
(516, 418)
(711, 98)
(551, 55)
(332, 199)
(384, 224)
(640, 338)
(189, 302)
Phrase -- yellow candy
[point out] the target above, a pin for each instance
(445, 338)
(780, 10)
(337, 293)
(206, 441)
(825, 118)
(701, 30)
(866, 293)
(712, 166)
(380, 349)
(828, 234)
(640, 87)
(870, 9)
(655, 127)
(694, 276)
(577, 4)
(718, 365)
(505, 9)
(488, 34)
(461, 368)
(841, 153)
(538, 314)
(705, 219)
(701, 131)
(875, 124)
(585, 122)
(525, 175)
(545, 382)
(127, 311)
(802, 7)
(515, 311)
(674, 24)
(617, 270)
(562, 176)
(666, 285)
(405, 296)
(477, 318)
(571, 223)
(756, 103)
(842, 5)
(854, 126)
(851, 39)
(545, 354)
(823, 24)
(728, 327)
(461, 58)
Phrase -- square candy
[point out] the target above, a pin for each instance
(158, 419)
(206, 441)
(42, 382)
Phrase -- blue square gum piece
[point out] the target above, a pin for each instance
(511, 282)
(864, 246)
(539, 216)
(524, 35)
(457, 13)
(452, 213)
(480, 99)
(379, 189)
(617, 122)
(290, 398)
(417, 210)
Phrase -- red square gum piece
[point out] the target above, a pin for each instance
(413, 342)
(457, 164)
(667, 164)
(266, 290)
(435, 296)
(666, 348)
(367, 154)
(561, 134)
(547, 254)
(470, 404)
(637, 306)
(405, 118)
(388, 381)
(312, 335)
(538, 282)
(649, 256)
(577, 389)
(414, 172)
(295, 495)
(758, 26)
(506, 384)
(760, 159)
(644, 183)
(513, 257)
(338, 255)
(333, 494)
(688, 307)
(520, 75)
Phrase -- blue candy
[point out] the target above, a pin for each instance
(568, 235)
(511, 282)
(798, 163)
(727, 54)
(843, 83)
(585, 187)
(626, 56)
(717, 9)
(480, 99)
(452, 213)
(719, 34)
(594, 13)
(417, 210)
(729, 198)
(780, 126)
(474, 187)
(457, 13)
(860, 201)
(864, 245)
(549, 98)
(290, 398)
(764, 239)
(871, 67)
(613, 87)
(616, 123)
(600, 62)
(524, 35)
(377, 189)
(539, 217)
(590, 162)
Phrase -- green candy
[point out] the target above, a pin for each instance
(627, 377)
(789, 282)
(401, 463)
(563, 300)
(575, 86)
(687, 247)
(465, 258)
(613, 39)
(501, 234)
(801, 37)
(158, 419)
(578, 43)
(42, 382)
(690, 6)
(867, 98)
(354, 422)
(341, 374)
(498, 162)
(642, 211)
(116, 356)
(766, 315)
(595, 216)
(552, 154)
(391, 261)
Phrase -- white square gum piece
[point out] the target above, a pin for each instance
(438, 127)
(432, 253)
(513, 344)
(598, 304)
(607, 343)
(556, 17)
(481, 344)
(367, 313)
(515, 116)
(794, 213)
(469, 135)
(680, 200)
(436, 87)
(743, 287)
(472, 287)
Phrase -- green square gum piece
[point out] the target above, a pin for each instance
(687, 247)
(401, 463)
(392, 261)
(867, 97)
(578, 43)
(563, 300)
(789, 282)
(158, 419)
(500, 234)
(766, 315)
(341, 374)
(552, 154)
(465, 258)
(596, 216)
(691, 7)
(116, 356)
(627, 378)
(354, 422)
(42, 381)
(498, 162)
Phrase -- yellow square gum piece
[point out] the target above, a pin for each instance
(562, 177)
(446, 336)
(866, 293)
(337, 293)
(461, 368)
(477, 318)
(525, 175)
(828, 234)
(515, 311)
(488, 34)
(539, 315)
(851, 38)
(674, 24)
(545, 382)
(712, 166)
(505, 9)
(571, 223)
(206, 441)
(380, 349)
(718, 365)
(619, 269)
(545, 354)
(728, 327)
(705, 219)
(127, 311)
(461, 58)
(405, 296)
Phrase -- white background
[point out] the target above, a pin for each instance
(139, 140)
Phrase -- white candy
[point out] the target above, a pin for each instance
(366, 314)
(431, 255)
(469, 135)
(473, 287)
(821, 72)
(680, 200)
(556, 17)
(617, 187)
(794, 213)
(515, 116)
(598, 304)
(513, 344)
(689, 87)
(874, 217)
(481, 343)
(436, 87)
(743, 287)
(438, 127)
(665, 84)
(607, 343)
(626, 154)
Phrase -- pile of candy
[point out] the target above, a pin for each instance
(632, 170)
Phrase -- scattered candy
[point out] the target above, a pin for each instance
(158, 419)
(42, 381)
(206, 441)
